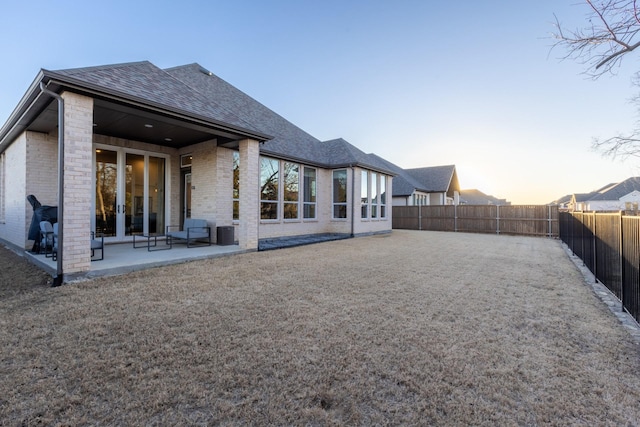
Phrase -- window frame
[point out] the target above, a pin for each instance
(312, 192)
(285, 193)
(272, 202)
(365, 194)
(339, 203)
(3, 180)
(235, 190)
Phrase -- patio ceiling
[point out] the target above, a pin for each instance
(121, 121)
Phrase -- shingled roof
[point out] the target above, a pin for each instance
(403, 183)
(437, 179)
(619, 190)
(289, 141)
(144, 82)
(192, 92)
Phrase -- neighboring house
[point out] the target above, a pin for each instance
(563, 202)
(435, 185)
(145, 148)
(477, 197)
(612, 197)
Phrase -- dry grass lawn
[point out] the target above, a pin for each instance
(409, 328)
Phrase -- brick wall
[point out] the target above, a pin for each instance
(78, 185)
(249, 194)
(14, 227)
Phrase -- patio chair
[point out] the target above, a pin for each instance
(47, 239)
(96, 244)
(192, 230)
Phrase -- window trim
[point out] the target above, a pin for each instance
(278, 191)
(315, 195)
(365, 199)
(286, 202)
(335, 204)
(234, 199)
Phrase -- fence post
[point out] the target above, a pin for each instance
(419, 216)
(455, 218)
(497, 219)
(621, 249)
(549, 219)
(595, 251)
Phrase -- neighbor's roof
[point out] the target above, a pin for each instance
(477, 197)
(436, 179)
(619, 190)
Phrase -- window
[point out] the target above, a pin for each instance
(236, 186)
(269, 176)
(185, 161)
(364, 195)
(3, 162)
(291, 187)
(309, 188)
(374, 195)
(340, 194)
(383, 196)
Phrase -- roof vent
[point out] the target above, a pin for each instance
(207, 72)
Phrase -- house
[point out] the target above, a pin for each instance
(144, 148)
(624, 195)
(477, 197)
(435, 185)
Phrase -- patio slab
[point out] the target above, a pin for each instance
(123, 258)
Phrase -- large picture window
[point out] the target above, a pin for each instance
(364, 195)
(374, 195)
(340, 194)
(291, 186)
(309, 188)
(269, 176)
(383, 196)
(236, 185)
(3, 195)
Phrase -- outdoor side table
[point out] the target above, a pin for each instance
(152, 242)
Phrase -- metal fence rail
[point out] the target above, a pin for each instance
(609, 245)
(527, 220)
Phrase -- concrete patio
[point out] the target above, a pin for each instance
(122, 258)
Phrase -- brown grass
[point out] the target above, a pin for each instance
(410, 328)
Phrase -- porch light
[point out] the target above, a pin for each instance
(148, 125)
(168, 139)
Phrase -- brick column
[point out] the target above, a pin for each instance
(78, 150)
(249, 194)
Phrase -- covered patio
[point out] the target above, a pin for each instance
(123, 258)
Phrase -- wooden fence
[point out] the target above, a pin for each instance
(528, 220)
(609, 246)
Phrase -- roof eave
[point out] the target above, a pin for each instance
(24, 112)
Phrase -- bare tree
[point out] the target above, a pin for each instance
(612, 32)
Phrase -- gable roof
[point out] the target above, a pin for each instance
(619, 190)
(437, 179)
(477, 197)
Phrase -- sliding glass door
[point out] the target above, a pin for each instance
(130, 192)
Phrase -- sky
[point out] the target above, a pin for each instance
(418, 82)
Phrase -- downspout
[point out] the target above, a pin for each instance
(58, 280)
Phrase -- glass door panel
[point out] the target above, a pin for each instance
(156, 194)
(134, 194)
(106, 192)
